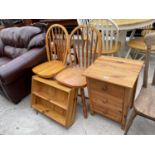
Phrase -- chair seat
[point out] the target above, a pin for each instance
(145, 103)
(48, 69)
(138, 43)
(72, 77)
(112, 50)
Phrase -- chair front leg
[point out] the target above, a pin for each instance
(84, 105)
(130, 121)
(128, 53)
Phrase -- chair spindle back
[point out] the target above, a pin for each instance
(85, 40)
(83, 21)
(109, 31)
(57, 41)
(149, 40)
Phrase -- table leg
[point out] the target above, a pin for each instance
(124, 51)
(122, 39)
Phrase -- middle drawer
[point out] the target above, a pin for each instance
(106, 88)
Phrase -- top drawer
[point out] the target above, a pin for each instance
(107, 88)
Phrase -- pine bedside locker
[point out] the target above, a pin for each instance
(111, 85)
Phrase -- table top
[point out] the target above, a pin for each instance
(130, 24)
(119, 71)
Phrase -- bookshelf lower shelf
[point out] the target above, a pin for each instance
(49, 113)
(54, 100)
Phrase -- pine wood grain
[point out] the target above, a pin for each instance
(57, 42)
(56, 101)
(49, 69)
(111, 84)
(84, 43)
(72, 77)
(119, 71)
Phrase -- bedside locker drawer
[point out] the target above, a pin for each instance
(106, 88)
(106, 105)
(106, 100)
(115, 115)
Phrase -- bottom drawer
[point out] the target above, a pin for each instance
(115, 115)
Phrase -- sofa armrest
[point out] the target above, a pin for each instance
(18, 66)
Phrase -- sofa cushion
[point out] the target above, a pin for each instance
(37, 41)
(4, 60)
(13, 52)
(19, 36)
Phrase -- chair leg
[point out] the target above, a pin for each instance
(85, 113)
(132, 35)
(153, 82)
(92, 112)
(128, 53)
(142, 57)
(146, 70)
(135, 56)
(130, 121)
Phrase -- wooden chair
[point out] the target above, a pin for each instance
(84, 54)
(143, 45)
(57, 42)
(83, 21)
(110, 36)
(144, 104)
(137, 46)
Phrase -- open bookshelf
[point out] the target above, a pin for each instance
(56, 101)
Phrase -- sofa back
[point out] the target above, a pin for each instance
(16, 41)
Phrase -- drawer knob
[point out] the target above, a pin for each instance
(104, 88)
(105, 101)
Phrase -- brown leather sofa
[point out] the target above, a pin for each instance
(21, 48)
